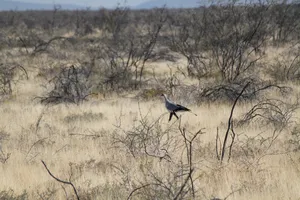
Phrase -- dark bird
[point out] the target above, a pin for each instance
(173, 107)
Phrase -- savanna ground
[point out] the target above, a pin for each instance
(80, 90)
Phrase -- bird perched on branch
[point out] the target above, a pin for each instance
(173, 107)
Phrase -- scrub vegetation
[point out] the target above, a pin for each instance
(82, 115)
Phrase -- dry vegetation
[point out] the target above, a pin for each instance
(80, 91)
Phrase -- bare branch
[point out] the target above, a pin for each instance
(61, 181)
(230, 121)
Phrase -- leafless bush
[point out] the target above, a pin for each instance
(29, 41)
(187, 36)
(71, 85)
(294, 139)
(284, 22)
(86, 116)
(10, 74)
(145, 139)
(3, 155)
(124, 54)
(286, 68)
(276, 116)
(224, 38)
(115, 21)
(163, 54)
(229, 91)
(236, 35)
(273, 112)
(36, 44)
(169, 82)
(115, 69)
(82, 24)
(10, 194)
(174, 179)
(249, 151)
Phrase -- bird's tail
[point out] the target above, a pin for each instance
(193, 113)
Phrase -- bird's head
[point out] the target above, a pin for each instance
(164, 95)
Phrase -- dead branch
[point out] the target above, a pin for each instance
(189, 151)
(136, 189)
(184, 184)
(61, 181)
(232, 141)
(40, 47)
(217, 147)
(230, 121)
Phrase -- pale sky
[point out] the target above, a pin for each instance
(91, 3)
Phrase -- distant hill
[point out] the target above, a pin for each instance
(172, 4)
(18, 5)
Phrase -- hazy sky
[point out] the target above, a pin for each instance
(92, 3)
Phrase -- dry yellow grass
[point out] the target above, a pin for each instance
(77, 144)
(54, 143)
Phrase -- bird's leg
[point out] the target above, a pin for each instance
(175, 115)
(171, 114)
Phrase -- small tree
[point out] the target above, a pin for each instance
(188, 31)
(236, 35)
(124, 54)
(71, 85)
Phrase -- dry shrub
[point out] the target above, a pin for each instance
(274, 112)
(10, 194)
(157, 149)
(228, 91)
(71, 85)
(86, 116)
(10, 74)
(286, 67)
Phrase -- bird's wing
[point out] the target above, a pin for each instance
(171, 106)
(181, 108)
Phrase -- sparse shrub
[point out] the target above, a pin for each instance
(86, 116)
(71, 85)
(148, 94)
(3, 155)
(227, 38)
(187, 36)
(174, 177)
(10, 74)
(9, 195)
(284, 22)
(237, 35)
(294, 141)
(273, 112)
(229, 91)
(124, 53)
(222, 45)
(163, 54)
(108, 191)
(286, 68)
(34, 45)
